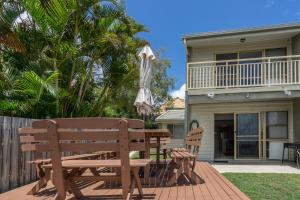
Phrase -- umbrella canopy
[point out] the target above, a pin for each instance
(144, 100)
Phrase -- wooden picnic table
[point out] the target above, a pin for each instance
(154, 133)
(44, 175)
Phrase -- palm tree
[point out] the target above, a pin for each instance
(91, 44)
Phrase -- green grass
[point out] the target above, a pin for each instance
(152, 157)
(267, 186)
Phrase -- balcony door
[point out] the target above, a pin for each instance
(250, 69)
(226, 69)
(247, 135)
(239, 69)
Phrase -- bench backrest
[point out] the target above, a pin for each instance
(84, 135)
(193, 140)
(164, 141)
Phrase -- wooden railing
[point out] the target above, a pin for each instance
(267, 71)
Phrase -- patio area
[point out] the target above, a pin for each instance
(286, 168)
(215, 186)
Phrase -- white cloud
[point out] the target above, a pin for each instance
(269, 3)
(179, 93)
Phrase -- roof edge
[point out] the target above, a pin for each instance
(257, 29)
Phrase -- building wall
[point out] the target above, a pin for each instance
(204, 114)
(208, 53)
(296, 111)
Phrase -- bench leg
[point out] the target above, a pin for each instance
(41, 183)
(137, 179)
(195, 178)
(132, 185)
(94, 171)
(71, 185)
(60, 187)
(173, 179)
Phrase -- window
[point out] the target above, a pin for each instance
(277, 125)
(170, 128)
(276, 52)
(177, 130)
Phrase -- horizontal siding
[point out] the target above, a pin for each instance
(176, 143)
(204, 114)
(205, 120)
(199, 54)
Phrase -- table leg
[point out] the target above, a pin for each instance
(157, 150)
(147, 156)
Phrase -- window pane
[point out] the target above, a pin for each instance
(274, 118)
(276, 52)
(227, 56)
(277, 132)
(247, 149)
(250, 54)
(178, 131)
(277, 125)
(247, 124)
(170, 128)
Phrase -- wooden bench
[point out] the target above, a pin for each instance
(44, 175)
(88, 135)
(184, 159)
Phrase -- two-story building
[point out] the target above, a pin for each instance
(243, 87)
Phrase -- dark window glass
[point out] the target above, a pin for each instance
(170, 128)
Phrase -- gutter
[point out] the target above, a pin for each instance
(289, 27)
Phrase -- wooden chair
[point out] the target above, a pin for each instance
(88, 135)
(184, 159)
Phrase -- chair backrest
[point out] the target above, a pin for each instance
(193, 140)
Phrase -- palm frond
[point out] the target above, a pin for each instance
(8, 14)
(33, 85)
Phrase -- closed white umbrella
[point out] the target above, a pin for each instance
(144, 100)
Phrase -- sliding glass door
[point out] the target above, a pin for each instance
(247, 135)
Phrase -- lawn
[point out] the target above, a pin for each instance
(267, 186)
(152, 156)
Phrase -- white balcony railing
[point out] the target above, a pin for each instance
(267, 71)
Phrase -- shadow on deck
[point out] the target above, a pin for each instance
(215, 187)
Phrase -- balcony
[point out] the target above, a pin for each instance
(244, 73)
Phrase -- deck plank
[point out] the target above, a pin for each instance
(213, 191)
(181, 192)
(231, 194)
(215, 187)
(216, 183)
(173, 193)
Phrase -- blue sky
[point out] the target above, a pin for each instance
(169, 20)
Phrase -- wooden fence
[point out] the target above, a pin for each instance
(14, 169)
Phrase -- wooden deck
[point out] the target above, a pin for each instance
(215, 187)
